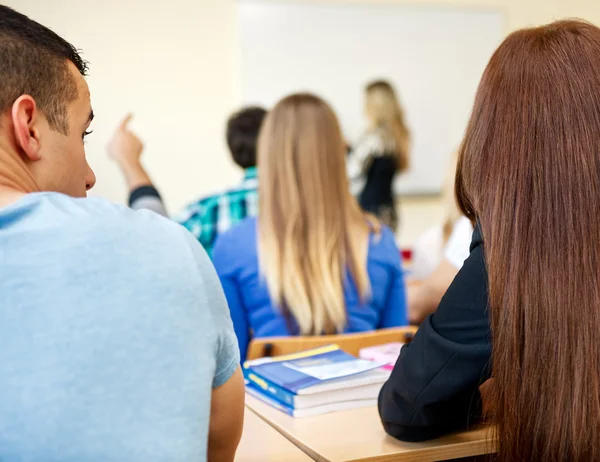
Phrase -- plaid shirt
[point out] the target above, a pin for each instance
(216, 214)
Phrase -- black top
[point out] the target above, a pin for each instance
(377, 197)
(378, 188)
(434, 387)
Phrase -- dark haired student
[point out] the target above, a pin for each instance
(116, 343)
(207, 217)
(525, 307)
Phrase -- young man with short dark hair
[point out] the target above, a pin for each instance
(208, 216)
(116, 341)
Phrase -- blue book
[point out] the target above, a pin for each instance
(316, 377)
(280, 394)
(311, 411)
(258, 393)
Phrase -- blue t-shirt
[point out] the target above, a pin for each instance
(253, 312)
(113, 332)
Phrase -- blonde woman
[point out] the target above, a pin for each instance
(311, 263)
(381, 153)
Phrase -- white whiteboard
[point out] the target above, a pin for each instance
(434, 56)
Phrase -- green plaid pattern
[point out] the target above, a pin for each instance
(216, 214)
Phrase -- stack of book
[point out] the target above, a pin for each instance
(315, 381)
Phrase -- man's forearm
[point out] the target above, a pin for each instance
(135, 175)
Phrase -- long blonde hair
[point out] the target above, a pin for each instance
(386, 114)
(312, 234)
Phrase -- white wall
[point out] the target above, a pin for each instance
(428, 53)
(174, 63)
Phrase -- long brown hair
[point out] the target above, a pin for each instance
(386, 115)
(529, 174)
(311, 229)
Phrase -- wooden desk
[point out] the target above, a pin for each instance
(357, 435)
(262, 443)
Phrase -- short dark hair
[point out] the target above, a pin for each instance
(243, 128)
(34, 61)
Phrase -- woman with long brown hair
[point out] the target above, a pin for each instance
(382, 151)
(525, 308)
(312, 263)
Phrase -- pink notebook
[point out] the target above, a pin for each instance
(388, 353)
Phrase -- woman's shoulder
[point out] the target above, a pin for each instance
(383, 247)
(379, 138)
(232, 245)
(371, 137)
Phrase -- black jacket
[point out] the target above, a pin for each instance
(434, 387)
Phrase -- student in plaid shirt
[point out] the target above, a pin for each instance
(212, 215)
(209, 216)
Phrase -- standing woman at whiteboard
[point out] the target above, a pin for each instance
(381, 153)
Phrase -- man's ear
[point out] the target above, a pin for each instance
(25, 119)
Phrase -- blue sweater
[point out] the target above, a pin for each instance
(253, 312)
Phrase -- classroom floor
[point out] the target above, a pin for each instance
(417, 214)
